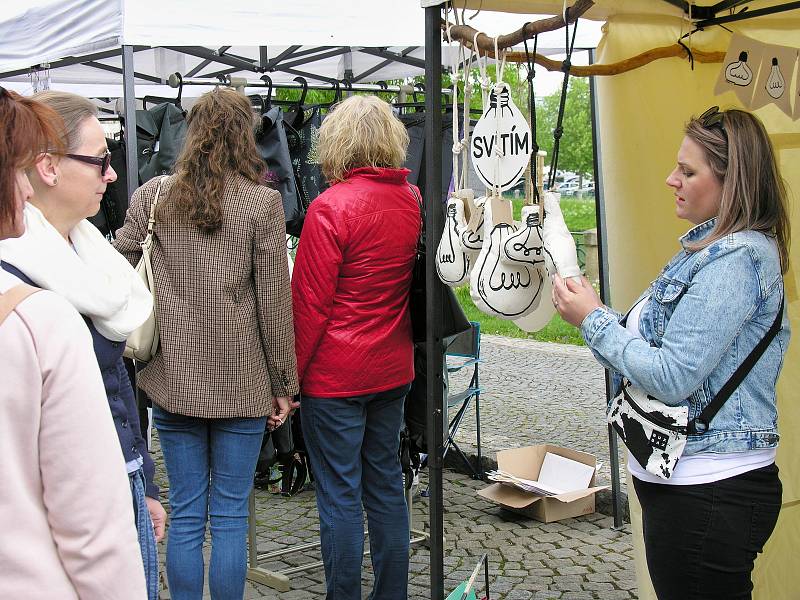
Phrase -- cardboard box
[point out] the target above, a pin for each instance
(526, 463)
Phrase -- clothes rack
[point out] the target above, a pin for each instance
(176, 80)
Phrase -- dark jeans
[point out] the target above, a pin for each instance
(353, 444)
(701, 540)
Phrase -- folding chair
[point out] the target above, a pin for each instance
(464, 352)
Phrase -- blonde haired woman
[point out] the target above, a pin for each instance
(62, 252)
(353, 336)
(226, 363)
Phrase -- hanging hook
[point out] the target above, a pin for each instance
(337, 91)
(302, 99)
(268, 80)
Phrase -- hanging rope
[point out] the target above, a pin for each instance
(532, 113)
(559, 130)
(499, 87)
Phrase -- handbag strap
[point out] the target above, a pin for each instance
(10, 299)
(710, 411)
(152, 220)
(421, 240)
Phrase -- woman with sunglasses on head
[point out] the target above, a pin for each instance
(684, 338)
(65, 510)
(61, 251)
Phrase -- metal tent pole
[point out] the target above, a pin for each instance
(433, 344)
(129, 96)
(605, 290)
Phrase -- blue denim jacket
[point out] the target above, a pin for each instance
(707, 310)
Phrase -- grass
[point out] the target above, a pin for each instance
(579, 214)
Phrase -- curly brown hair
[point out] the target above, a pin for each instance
(28, 129)
(219, 143)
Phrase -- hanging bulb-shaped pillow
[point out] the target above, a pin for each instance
(557, 239)
(541, 316)
(526, 247)
(507, 291)
(472, 236)
(453, 262)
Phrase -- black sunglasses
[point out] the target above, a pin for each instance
(101, 161)
(712, 117)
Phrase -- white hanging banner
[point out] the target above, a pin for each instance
(501, 142)
(740, 68)
(775, 78)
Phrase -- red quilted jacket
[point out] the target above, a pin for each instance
(350, 286)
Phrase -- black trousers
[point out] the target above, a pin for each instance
(701, 540)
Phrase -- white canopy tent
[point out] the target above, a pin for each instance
(321, 40)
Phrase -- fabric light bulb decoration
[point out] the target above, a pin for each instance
(507, 291)
(739, 69)
(774, 78)
(453, 260)
(557, 239)
(500, 145)
(776, 84)
(541, 316)
(472, 236)
(738, 72)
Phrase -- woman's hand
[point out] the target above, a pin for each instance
(574, 299)
(282, 407)
(158, 516)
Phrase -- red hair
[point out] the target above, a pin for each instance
(29, 129)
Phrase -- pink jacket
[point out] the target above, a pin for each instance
(66, 517)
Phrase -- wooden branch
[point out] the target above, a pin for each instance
(465, 33)
(623, 66)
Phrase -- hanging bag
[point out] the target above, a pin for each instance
(454, 321)
(273, 147)
(142, 344)
(656, 433)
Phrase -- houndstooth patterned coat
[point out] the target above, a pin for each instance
(223, 305)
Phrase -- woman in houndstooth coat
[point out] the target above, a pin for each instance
(226, 366)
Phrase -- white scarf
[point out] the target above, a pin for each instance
(96, 279)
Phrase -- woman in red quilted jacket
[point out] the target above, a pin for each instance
(353, 338)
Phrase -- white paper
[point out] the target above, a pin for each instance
(565, 473)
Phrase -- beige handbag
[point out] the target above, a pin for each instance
(142, 344)
(12, 297)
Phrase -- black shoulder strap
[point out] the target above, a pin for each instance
(738, 376)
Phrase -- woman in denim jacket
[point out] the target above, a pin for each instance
(684, 338)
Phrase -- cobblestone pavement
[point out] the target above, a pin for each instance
(533, 393)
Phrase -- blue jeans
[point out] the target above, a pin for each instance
(210, 464)
(353, 445)
(147, 537)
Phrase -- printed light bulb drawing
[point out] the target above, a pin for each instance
(776, 84)
(501, 142)
(738, 73)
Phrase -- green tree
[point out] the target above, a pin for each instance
(576, 151)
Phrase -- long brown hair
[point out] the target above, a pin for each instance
(740, 154)
(219, 143)
(29, 129)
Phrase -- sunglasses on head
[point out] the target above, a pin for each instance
(712, 117)
(101, 161)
